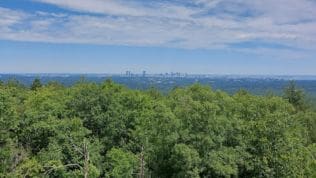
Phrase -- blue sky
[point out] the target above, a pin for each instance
(191, 36)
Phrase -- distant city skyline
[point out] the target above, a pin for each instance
(264, 37)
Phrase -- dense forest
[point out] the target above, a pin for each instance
(108, 130)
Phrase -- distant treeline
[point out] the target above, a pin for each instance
(258, 86)
(108, 130)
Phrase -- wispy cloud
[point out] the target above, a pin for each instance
(193, 24)
(97, 6)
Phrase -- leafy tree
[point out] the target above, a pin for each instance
(40, 111)
(121, 163)
(186, 162)
(270, 129)
(295, 96)
(28, 168)
(69, 141)
(156, 133)
(14, 83)
(8, 126)
(308, 119)
(36, 84)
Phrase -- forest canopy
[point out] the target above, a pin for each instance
(108, 130)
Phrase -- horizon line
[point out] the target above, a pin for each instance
(140, 73)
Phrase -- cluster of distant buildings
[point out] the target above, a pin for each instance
(227, 76)
(145, 74)
(130, 74)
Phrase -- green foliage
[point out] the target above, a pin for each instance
(8, 127)
(36, 84)
(186, 162)
(120, 163)
(13, 83)
(28, 168)
(107, 130)
(295, 96)
(308, 119)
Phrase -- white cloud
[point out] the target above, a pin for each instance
(9, 17)
(96, 6)
(124, 8)
(204, 24)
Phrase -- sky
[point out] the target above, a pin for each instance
(261, 37)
